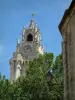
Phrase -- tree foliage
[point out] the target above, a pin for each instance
(34, 85)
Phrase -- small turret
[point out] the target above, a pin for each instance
(36, 28)
(18, 45)
(18, 41)
(23, 33)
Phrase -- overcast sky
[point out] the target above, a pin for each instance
(14, 14)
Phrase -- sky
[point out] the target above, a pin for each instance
(14, 14)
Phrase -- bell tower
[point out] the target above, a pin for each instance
(31, 41)
(29, 49)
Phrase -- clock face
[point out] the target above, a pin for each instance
(27, 48)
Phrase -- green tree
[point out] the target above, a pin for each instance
(58, 76)
(4, 88)
(34, 85)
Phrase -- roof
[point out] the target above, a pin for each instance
(66, 14)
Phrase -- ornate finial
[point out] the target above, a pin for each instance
(33, 14)
(36, 27)
(18, 41)
(24, 27)
(23, 30)
(18, 45)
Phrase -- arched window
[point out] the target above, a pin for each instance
(29, 37)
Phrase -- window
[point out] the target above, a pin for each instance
(29, 37)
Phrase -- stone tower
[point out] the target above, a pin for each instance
(29, 49)
(67, 29)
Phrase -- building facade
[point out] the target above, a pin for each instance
(67, 29)
(27, 50)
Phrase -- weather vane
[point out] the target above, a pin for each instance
(33, 14)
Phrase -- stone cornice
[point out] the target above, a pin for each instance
(67, 16)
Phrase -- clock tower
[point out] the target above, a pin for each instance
(29, 49)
